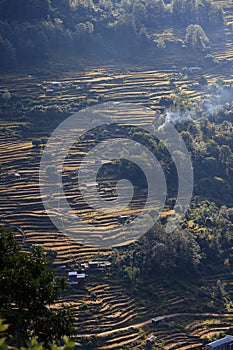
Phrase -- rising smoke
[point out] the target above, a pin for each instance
(215, 98)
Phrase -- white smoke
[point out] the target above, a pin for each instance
(215, 99)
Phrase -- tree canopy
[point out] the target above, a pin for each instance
(196, 38)
(33, 30)
(28, 288)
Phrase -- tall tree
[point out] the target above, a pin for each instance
(27, 288)
(196, 37)
(22, 10)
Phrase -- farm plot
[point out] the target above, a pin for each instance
(145, 87)
(223, 49)
(23, 193)
(103, 305)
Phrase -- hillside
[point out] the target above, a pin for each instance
(35, 32)
(59, 57)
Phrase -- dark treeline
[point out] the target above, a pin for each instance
(202, 243)
(32, 30)
(200, 246)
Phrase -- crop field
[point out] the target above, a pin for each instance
(105, 310)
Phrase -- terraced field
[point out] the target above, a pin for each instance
(20, 196)
(101, 305)
(223, 49)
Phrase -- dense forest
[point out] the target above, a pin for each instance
(34, 31)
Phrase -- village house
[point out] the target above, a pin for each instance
(13, 176)
(158, 321)
(225, 343)
(150, 342)
(98, 264)
(74, 277)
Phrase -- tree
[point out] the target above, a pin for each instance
(160, 252)
(185, 10)
(143, 35)
(156, 10)
(196, 37)
(187, 137)
(6, 95)
(33, 344)
(155, 7)
(225, 154)
(7, 57)
(36, 143)
(22, 10)
(204, 12)
(203, 80)
(139, 13)
(30, 42)
(161, 43)
(209, 13)
(27, 288)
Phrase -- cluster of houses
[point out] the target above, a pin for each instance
(51, 87)
(75, 277)
(156, 322)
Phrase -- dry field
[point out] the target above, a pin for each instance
(103, 307)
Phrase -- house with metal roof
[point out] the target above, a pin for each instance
(74, 277)
(158, 321)
(150, 342)
(225, 343)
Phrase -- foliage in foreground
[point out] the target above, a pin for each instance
(33, 344)
(28, 286)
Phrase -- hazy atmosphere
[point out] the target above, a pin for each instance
(116, 168)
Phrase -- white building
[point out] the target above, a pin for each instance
(74, 277)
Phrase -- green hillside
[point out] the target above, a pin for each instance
(59, 57)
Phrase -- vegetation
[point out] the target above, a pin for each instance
(202, 244)
(31, 31)
(33, 345)
(185, 275)
(28, 287)
(196, 37)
